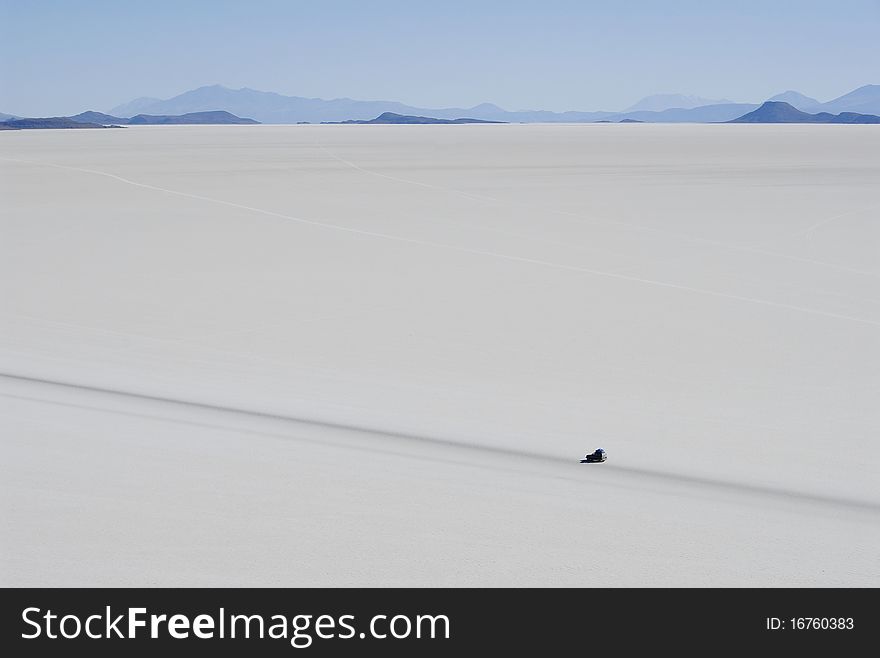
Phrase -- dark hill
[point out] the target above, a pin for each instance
(854, 117)
(92, 119)
(97, 117)
(780, 112)
(49, 122)
(215, 117)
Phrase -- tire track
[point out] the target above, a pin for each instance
(657, 476)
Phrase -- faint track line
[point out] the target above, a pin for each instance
(754, 249)
(467, 250)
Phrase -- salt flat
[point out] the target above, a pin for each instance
(369, 355)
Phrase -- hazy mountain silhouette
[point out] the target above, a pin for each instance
(780, 112)
(797, 100)
(704, 114)
(391, 117)
(660, 102)
(137, 106)
(864, 100)
(270, 107)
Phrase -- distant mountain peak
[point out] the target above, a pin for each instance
(210, 89)
(796, 99)
(133, 107)
(864, 99)
(487, 107)
(660, 102)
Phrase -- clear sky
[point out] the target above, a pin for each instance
(62, 57)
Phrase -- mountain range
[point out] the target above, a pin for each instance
(219, 104)
(270, 107)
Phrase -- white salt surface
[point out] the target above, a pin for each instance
(373, 355)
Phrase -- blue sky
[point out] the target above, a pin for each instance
(62, 57)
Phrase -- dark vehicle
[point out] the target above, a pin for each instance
(595, 457)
